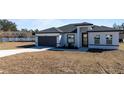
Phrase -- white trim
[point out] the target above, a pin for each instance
(48, 34)
(103, 47)
(89, 27)
(36, 41)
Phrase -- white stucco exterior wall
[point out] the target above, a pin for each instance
(59, 38)
(80, 30)
(36, 40)
(64, 40)
(78, 37)
(103, 45)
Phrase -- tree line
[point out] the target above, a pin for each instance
(120, 27)
(6, 25)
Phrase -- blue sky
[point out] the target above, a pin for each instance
(46, 23)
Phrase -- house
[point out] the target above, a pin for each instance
(79, 35)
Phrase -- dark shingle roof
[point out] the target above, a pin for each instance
(68, 28)
(72, 28)
(51, 30)
(98, 28)
(82, 24)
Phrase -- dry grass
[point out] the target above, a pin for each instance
(121, 46)
(61, 61)
(64, 62)
(13, 45)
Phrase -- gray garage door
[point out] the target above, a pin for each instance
(47, 41)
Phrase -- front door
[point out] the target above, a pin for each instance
(84, 40)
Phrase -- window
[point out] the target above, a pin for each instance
(97, 39)
(109, 39)
(71, 38)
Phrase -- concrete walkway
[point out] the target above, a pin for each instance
(4, 53)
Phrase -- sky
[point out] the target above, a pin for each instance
(47, 23)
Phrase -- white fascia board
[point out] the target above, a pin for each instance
(48, 34)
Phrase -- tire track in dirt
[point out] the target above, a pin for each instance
(102, 68)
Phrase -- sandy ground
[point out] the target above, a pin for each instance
(15, 45)
(64, 62)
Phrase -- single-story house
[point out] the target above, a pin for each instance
(79, 35)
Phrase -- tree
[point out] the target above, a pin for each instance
(119, 27)
(1, 26)
(31, 30)
(36, 30)
(7, 25)
(122, 26)
(115, 26)
(24, 30)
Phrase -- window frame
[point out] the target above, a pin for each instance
(111, 38)
(68, 38)
(95, 38)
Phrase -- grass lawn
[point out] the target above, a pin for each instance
(14, 45)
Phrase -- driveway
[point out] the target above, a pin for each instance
(4, 53)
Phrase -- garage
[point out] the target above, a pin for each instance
(47, 41)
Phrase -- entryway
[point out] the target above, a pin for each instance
(84, 40)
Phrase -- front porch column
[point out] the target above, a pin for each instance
(78, 37)
(36, 40)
